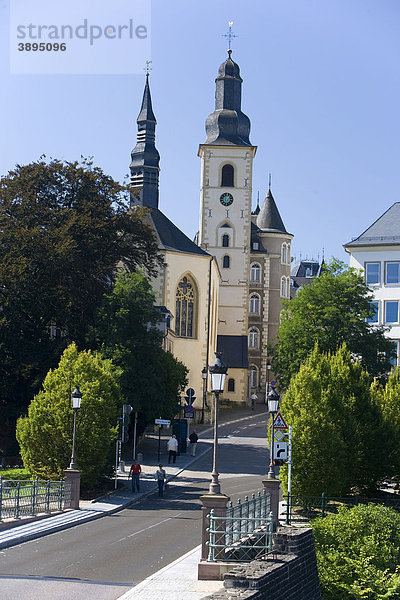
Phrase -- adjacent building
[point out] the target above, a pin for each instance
(376, 252)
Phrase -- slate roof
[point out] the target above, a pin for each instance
(269, 219)
(234, 351)
(385, 231)
(170, 237)
(300, 268)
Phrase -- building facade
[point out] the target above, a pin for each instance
(376, 253)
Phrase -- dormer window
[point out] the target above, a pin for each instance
(256, 246)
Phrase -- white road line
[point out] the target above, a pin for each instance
(145, 529)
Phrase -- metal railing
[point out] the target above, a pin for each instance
(245, 533)
(306, 508)
(20, 498)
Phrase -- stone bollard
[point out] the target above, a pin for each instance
(218, 502)
(273, 487)
(73, 476)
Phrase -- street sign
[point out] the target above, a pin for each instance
(280, 450)
(190, 396)
(189, 414)
(189, 409)
(278, 435)
(279, 422)
(273, 383)
(162, 422)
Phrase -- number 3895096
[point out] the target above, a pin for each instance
(42, 47)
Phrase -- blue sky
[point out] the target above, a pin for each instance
(321, 87)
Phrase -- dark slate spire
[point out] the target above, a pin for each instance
(145, 157)
(228, 124)
(268, 218)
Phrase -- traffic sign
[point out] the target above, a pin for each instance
(189, 412)
(162, 422)
(273, 383)
(279, 422)
(280, 450)
(190, 396)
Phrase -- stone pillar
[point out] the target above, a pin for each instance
(218, 502)
(273, 487)
(73, 476)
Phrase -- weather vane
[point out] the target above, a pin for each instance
(148, 67)
(229, 36)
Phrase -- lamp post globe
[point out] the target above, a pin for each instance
(218, 372)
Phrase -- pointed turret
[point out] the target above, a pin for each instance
(145, 157)
(228, 124)
(269, 219)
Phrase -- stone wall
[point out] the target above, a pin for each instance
(290, 573)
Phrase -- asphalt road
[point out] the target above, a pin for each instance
(104, 558)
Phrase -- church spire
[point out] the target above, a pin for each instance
(228, 124)
(269, 219)
(145, 157)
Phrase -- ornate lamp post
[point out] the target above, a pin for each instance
(76, 404)
(204, 377)
(273, 405)
(218, 372)
(268, 376)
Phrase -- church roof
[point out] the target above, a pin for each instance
(172, 238)
(269, 219)
(228, 125)
(234, 351)
(146, 110)
(384, 231)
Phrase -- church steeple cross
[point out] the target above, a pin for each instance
(147, 68)
(229, 36)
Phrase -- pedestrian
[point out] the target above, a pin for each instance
(193, 438)
(161, 478)
(172, 448)
(134, 472)
(253, 399)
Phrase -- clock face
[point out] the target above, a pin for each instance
(226, 199)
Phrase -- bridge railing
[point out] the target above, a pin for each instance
(245, 533)
(20, 498)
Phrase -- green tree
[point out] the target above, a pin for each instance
(45, 435)
(336, 427)
(332, 310)
(387, 399)
(358, 553)
(126, 330)
(64, 227)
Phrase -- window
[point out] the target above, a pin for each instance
(185, 308)
(254, 304)
(285, 253)
(231, 385)
(226, 262)
(372, 273)
(255, 272)
(391, 311)
(227, 176)
(225, 240)
(392, 275)
(253, 377)
(255, 245)
(253, 338)
(284, 286)
(375, 316)
(308, 272)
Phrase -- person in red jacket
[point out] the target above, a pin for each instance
(135, 471)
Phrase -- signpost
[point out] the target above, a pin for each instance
(160, 422)
(189, 412)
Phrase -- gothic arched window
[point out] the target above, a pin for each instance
(227, 176)
(226, 262)
(254, 306)
(185, 308)
(225, 240)
(255, 271)
(253, 338)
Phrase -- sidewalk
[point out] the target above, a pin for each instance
(115, 501)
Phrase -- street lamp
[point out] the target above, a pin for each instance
(273, 405)
(218, 372)
(268, 375)
(204, 376)
(76, 404)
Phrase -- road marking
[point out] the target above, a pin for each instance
(145, 529)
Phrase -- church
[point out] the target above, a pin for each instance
(222, 291)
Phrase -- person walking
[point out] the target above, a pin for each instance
(253, 399)
(172, 448)
(134, 472)
(161, 478)
(193, 438)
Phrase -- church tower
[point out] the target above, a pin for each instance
(145, 161)
(225, 218)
